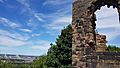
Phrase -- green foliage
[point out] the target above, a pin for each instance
(59, 55)
(113, 48)
(11, 65)
(41, 62)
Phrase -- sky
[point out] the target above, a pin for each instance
(28, 27)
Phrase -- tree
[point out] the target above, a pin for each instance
(40, 63)
(113, 48)
(60, 54)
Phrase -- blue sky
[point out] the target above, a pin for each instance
(29, 26)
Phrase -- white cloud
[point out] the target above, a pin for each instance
(34, 35)
(108, 22)
(2, 1)
(105, 12)
(24, 2)
(27, 9)
(57, 20)
(26, 30)
(53, 32)
(56, 24)
(3, 32)
(7, 22)
(63, 11)
(55, 2)
(7, 41)
(40, 47)
(53, 21)
(43, 42)
(110, 34)
(38, 17)
(19, 36)
(10, 39)
(43, 17)
(14, 35)
(107, 18)
(59, 23)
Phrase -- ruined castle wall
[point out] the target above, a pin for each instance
(83, 25)
(83, 31)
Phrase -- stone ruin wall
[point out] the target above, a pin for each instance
(83, 30)
(83, 25)
(101, 43)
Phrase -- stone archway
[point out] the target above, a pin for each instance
(83, 25)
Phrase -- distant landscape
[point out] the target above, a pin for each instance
(58, 55)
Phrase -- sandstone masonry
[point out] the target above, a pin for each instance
(85, 40)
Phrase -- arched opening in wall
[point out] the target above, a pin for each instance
(107, 24)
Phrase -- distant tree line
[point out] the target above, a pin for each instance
(11, 65)
(112, 48)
